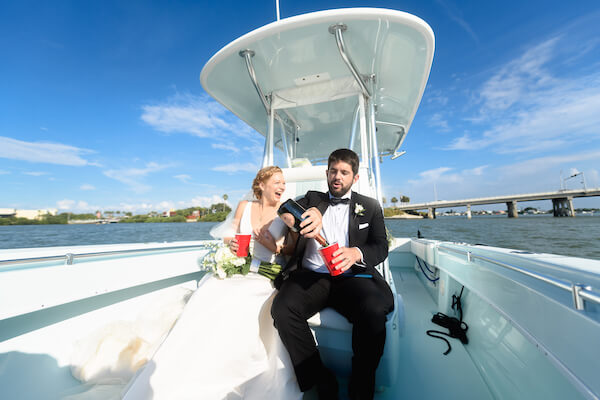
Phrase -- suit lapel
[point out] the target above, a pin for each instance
(323, 203)
(352, 224)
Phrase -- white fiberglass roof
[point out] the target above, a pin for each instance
(297, 62)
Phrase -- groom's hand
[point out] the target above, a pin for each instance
(312, 224)
(346, 257)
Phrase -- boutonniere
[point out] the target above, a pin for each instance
(359, 210)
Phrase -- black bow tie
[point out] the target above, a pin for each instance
(334, 201)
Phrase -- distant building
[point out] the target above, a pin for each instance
(29, 214)
(7, 212)
(170, 213)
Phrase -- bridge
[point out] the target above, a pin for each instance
(562, 202)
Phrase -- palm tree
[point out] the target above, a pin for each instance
(394, 201)
(225, 197)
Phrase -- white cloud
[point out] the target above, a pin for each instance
(477, 171)
(519, 77)
(226, 146)
(448, 183)
(3, 172)
(543, 164)
(197, 115)
(65, 204)
(434, 174)
(183, 178)
(87, 186)
(529, 108)
(166, 205)
(455, 15)
(438, 121)
(133, 177)
(75, 206)
(35, 173)
(540, 174)
(436, 97)
(42, 152)
(206, 201)
(236, 167)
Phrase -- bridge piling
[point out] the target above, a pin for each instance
(468, 211)
(563, 207)
(512, 209)
(562, 199)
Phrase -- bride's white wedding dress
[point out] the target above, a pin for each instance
(224, 345)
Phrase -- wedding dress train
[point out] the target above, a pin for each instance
(224, 345)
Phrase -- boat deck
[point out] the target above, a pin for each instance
(425, 373)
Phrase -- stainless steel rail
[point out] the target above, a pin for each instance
(337, 30)
(579, 291)
(247, 56)
(69, 258)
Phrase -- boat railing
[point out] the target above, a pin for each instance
(69, 258)
(580, 292)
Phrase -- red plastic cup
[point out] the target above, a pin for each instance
(327, 255)
(243, 244)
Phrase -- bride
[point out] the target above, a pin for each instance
(224, 345)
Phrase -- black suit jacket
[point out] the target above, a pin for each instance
(371, 239)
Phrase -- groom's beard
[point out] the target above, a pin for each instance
(339, 192)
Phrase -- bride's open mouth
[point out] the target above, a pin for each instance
(278, 195)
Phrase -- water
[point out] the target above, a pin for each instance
(20, 236)
(579, 237)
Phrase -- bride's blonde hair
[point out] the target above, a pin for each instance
(263, 175)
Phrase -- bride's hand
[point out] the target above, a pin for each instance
(233, 246)
(262, 235)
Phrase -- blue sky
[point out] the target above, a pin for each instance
(101, 105)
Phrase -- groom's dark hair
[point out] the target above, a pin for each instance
(345, 155)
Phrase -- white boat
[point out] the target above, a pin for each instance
(310, 84)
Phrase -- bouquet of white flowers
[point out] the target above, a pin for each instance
(221, 262)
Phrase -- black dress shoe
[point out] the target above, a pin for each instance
(327, 386)
(356, 392)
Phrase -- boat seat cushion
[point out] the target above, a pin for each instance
(331, 319)
(333, 334)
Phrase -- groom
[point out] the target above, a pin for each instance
(360, 294)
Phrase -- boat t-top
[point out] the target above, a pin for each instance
(528, 323)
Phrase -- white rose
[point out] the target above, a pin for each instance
(221, 274)
(222, 255)
(239, 261)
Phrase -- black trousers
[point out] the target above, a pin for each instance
(360, 300)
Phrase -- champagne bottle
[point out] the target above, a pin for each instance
(296, 210)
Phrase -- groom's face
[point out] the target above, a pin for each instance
(340, 178)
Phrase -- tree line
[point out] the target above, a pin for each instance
(215, 213)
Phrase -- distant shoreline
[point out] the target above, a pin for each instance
(405, 216)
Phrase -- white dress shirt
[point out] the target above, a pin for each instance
(335, 229)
